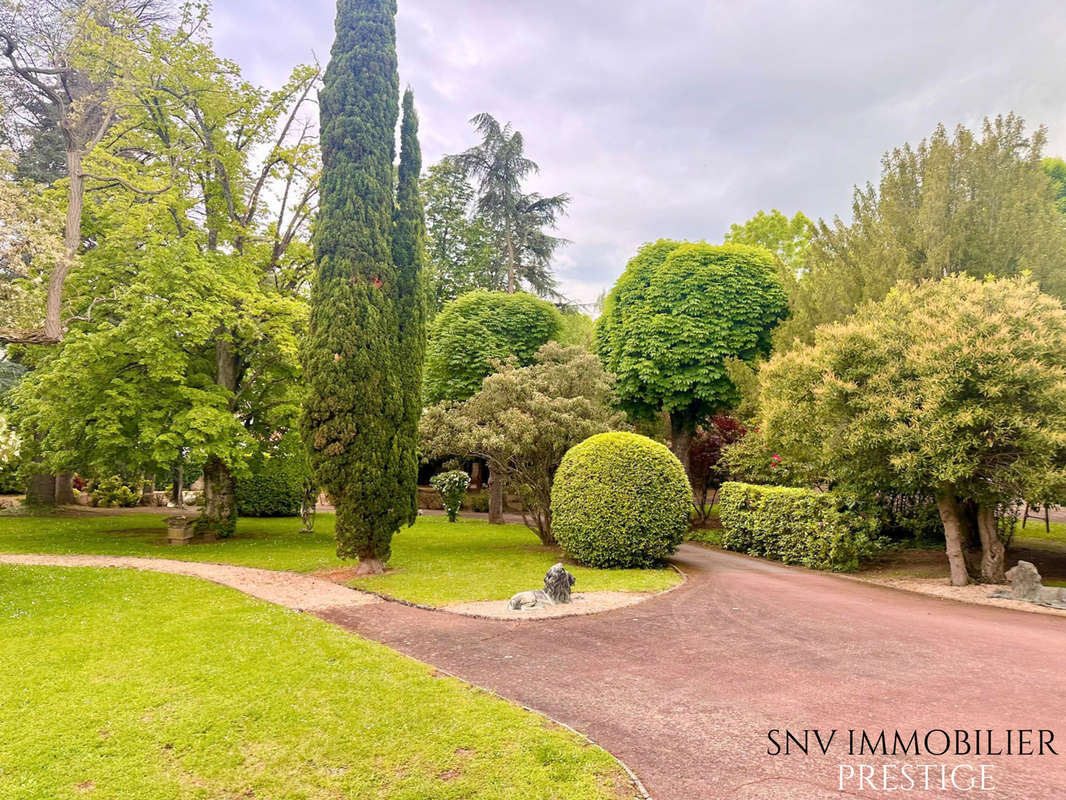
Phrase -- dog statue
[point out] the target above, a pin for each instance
(1025, 585)
(557, 584)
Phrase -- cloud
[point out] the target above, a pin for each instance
(675, 118)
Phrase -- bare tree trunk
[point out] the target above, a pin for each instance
(993, 553)
(681, 442)
(41, 490)
(179, 486)
(475, 476)
(495, 498)
(954, 533)
(512, 267)
(64, 482)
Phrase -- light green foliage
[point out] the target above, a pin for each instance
(477, 329)
(676, 315)
(524, 419)
(1055, 169)
(797, 526)
(578, 330)
(435, 562)
(451, 486)
(114, 493)
(273, 484)
(136, 692)
(459, 245)
(788, 239)
(358, 411)
(954, 383)
(9, 459)
(977, 204)
(620, 500)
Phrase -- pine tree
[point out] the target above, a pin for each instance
(408, 250)
(355, 410)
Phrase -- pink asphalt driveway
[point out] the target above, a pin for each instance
(685, 688)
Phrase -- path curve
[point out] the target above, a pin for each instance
(685, 687)
(290, 589)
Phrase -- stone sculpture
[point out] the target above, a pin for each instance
(1025, 584)
(557, 584)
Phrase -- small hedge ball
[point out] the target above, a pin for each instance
(620, 500)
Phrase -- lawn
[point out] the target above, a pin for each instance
(122, 684)
(434, 563)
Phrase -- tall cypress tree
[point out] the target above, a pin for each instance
(354, 415)
(408, 250)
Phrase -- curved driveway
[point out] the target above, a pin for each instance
(685, 687)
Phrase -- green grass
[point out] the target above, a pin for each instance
(128, 685)
(440, 563)
(1034, 529)
(435, 562)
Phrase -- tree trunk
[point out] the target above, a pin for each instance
(64, 482)
(954, 533)
(993, 554)
(41, 490)
(475, 476)
(512, 267)
(219, 516)
(220, 509)
(368, 565)
(681, 441)
(495, 499)
(179, 486)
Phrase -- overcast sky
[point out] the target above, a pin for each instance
(675, 118)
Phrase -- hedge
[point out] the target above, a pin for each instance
(274, 483)
(620, 500)
(819, 530)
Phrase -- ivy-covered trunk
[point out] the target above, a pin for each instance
(220, 504)
(41, 490)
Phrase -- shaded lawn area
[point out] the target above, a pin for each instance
(122, 684)
(434, 562)
(1047, 551)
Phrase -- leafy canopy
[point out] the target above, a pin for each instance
(976, 204)
(478, 328)
(956, 386)
(675, 317)
(524, 419)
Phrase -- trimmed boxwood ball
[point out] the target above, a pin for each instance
(620, 500)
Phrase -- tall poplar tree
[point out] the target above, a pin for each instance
(408, 251)
(354, 416)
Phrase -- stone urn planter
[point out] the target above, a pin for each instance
(180, 529)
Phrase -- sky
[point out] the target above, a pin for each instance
(676, 118)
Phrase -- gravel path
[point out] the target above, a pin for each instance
(290, 589)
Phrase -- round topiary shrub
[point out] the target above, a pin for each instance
(620, 500)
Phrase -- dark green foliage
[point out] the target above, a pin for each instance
(354, 412)
(274, 483)
(477, 328)
(451, 486)
(620, 500)
(10, 482)
(819, 530)
(674, 318)
(408, 252)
